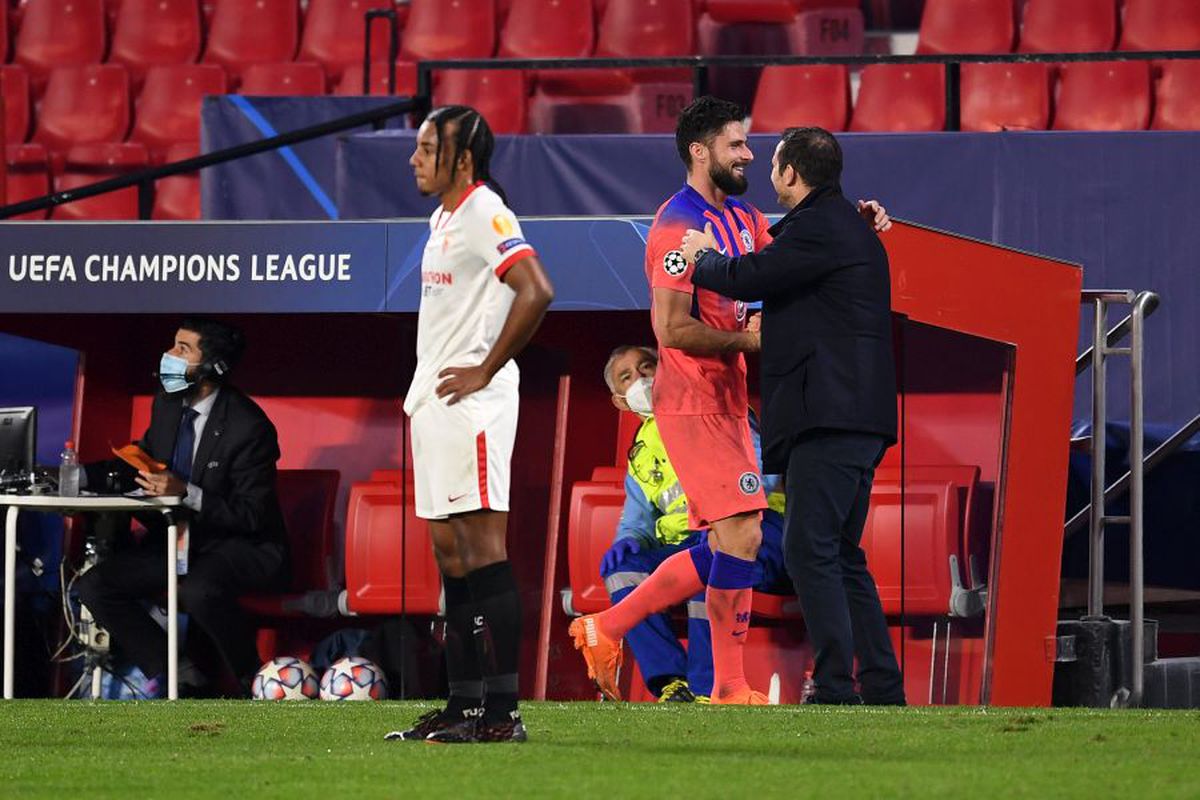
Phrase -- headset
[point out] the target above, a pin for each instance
(212, 368)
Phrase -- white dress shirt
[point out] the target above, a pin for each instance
(203, 409)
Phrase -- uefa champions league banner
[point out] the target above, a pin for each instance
(198, 267)
(248, 267)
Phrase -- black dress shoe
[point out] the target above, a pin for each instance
(852, 700)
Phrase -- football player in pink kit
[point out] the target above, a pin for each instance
(700, 403)
(483, 294)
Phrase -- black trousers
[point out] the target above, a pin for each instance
(828, 486)
(218, 573)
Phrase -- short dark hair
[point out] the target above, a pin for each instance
(219, 341)
(815, 155)
(701, 121)
(473, 135)
(619, 351)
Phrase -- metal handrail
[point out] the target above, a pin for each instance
(393, 46)
(1117, 333)
(144, 179)
(1101, 349)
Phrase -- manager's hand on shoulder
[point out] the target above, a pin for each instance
(875, 215)
(694, 241)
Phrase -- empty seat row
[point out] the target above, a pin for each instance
(241, 33)
(94, 103)
(1109, 95)
(1058, 26)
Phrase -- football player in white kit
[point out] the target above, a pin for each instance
(483, 294)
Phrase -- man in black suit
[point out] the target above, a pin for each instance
(829, 401)
(221, 450)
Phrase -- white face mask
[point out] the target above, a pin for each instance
(639, 396)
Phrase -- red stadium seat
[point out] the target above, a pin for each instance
(307, 497)
(966, 26)
(449, 29)
(178, 197)
(901, 97)
(406, 79)
(1161, 25)
(380, 536)
(802, 95)
(938, 504)
(27, 177)
(84, 104)
(168, 110)
(90, 163)
(333, 33)
(648, 29)
(548, 29)
(4, 34)
(245, 32)
(295, 78)
(592, 521)
(999, 97)
(1068, 26)
(499, 94)
(59, 33)
(615, 475)
(831, 31)
(551, 112)
(1177, 104)
(14, 86)
(153, 32)
(777, 11)
(1103, 96)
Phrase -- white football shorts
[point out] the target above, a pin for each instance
(462, 454)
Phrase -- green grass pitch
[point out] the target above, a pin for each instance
(244, 750)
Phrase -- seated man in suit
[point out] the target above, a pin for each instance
(221, 450)
(654, 526)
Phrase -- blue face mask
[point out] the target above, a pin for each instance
(172, 372)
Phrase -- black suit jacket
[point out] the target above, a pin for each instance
(827, 360)
(234, 466)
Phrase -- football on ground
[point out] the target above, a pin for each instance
(353, 678)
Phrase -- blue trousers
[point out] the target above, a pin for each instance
(657, 650)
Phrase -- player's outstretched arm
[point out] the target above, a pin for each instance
(534, 294)
(675, 327)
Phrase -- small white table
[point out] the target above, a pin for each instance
(86, 503)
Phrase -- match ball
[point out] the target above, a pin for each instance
(353, 679)
(285, 678)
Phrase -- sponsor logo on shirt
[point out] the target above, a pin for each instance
(674, 263)
(508, 244)
(502, 224)
(437, 278)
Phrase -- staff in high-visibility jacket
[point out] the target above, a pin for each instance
(654, 526)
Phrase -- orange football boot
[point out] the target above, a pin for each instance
(602, 654)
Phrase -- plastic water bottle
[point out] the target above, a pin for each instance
(68, 471)
(809, 688)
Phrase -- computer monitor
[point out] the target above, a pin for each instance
(18, 440)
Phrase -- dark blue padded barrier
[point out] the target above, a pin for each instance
(290, 183)
(1172, 512)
